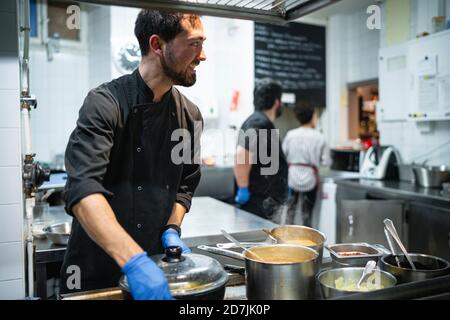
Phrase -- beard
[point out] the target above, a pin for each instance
(185, 79)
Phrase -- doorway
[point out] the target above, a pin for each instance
(363, 98)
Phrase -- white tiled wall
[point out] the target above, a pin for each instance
(352, 56)
(12, 285)
(415, 143)
(60, 86)
(337, 74)
(362, 46)
(99, 45)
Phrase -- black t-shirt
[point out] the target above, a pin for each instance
(268, 176)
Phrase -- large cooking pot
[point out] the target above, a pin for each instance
(427, 267)
(280, 272)
(190, 276)
(300, 235)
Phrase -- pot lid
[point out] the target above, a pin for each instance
(189, 274)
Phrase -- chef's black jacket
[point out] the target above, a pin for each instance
(268, 191)
(121, 147)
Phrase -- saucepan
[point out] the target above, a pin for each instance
(286, 272)
(427, 267)
(299, 235)
(277, 271)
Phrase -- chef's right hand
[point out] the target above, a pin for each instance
(145, 279)
(242, 196)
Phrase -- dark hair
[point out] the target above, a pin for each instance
(304, 112)
(265, 93)
(164, 24)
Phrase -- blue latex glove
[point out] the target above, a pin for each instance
(145, 279)
(242, 196)
(290, 193)
(170, 238)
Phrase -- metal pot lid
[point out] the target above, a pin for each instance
(188, 274)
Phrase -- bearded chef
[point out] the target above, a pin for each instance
(126, 194)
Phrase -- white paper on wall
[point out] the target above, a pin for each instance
(444, 92)
(427, 66)
(428, 93)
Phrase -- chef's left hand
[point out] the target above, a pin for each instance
(171, 238)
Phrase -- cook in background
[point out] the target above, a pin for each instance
(306, 150)
(260, 190)
(127, 196)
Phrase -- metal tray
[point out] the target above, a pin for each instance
(338, 260)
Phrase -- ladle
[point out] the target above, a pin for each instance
(393, 232)
(236, 242)
(368, 270)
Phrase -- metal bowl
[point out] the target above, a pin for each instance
(431, 177)
(59, 233)
(327, 280)
(427, 267)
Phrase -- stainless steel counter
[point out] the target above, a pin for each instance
(206, 218)
(400, 189)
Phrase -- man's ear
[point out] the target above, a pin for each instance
(155, 43)
(279, 103)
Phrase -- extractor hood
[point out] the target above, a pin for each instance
(275, 11)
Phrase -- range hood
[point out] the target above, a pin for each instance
(274, 11)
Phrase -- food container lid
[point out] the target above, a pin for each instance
(189, 274)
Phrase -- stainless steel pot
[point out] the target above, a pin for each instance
(427, 267)
(292, 234)
(431, 177)
(59, 233)
(287, 272)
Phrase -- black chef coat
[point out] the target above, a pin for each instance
(121, 147)
(268, 192)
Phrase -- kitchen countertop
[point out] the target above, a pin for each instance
(206, 217)
(399, 189)
(429, 289)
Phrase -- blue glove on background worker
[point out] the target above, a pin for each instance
(145, 279)
(242, 196)
(170, 238)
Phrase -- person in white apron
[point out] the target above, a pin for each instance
(306, 150)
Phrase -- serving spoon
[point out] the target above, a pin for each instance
(391, 247)
(368, 270)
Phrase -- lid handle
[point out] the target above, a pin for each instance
(173, 254)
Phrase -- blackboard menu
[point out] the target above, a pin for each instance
(294, 55)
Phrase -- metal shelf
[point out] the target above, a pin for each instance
(275, 11)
